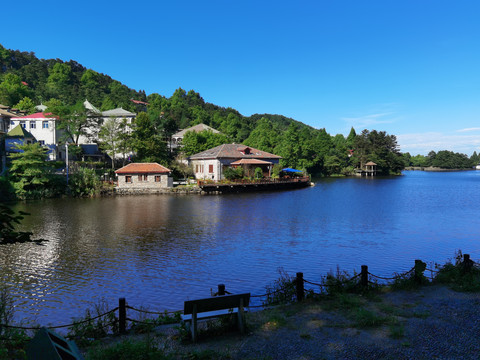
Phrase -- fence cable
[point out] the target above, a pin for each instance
(153, 312)
(58, 326)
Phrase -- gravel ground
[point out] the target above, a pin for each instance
(433, 322)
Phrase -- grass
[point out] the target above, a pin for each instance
(364, 318)
(396, 331)
(128, 349)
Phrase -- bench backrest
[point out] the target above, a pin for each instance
(216, 303)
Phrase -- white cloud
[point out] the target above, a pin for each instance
(469, 129)
(366, 121)
(423, 143)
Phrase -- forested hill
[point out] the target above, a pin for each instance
(26, 81)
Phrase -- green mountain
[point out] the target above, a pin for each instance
(26, 81)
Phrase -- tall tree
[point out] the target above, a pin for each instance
(29, 171)
(115, 138)
(60, 81)
(147, 143)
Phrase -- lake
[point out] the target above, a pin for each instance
(158, 251)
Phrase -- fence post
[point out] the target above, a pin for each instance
(221, 289)
(467, 263)
(420, 267)
(122, 315)
(300, 287)
(364, 276)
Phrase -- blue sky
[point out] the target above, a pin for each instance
(410, 68)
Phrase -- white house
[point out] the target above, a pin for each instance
(44, 129)
(210, 164)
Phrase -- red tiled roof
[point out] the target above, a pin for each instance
(139, 102)
(143, 168)
(39, 115)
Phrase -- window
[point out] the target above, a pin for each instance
(32, 125)
(145, 177)
(139, 177)
(41, 142)
(45, 124)
(196, 168)
(210, 168)
(128, 179)
(23, 124)
(157, 178)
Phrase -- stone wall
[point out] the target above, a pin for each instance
(145, 183)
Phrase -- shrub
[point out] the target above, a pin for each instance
(12, 341)
(282, 290)
(459, 276)
(90, 327)
(85, 183)
(233, 173)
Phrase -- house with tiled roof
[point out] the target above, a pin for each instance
(144, 176)
(177, 138)
(211, 164)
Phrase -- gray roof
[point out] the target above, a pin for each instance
(196, 128)
(90, 107)
(233, 151)
(6, 113)
(118, 112)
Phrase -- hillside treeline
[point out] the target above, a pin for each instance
(26, 81)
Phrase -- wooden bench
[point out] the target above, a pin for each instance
(213, 307)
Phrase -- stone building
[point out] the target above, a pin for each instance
(144, 176)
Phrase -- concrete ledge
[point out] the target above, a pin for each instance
(147, 191)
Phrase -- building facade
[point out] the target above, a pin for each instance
(144, 176)
(210, 164)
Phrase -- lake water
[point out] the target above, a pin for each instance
(158, 251)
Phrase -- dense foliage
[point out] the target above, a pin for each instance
(27, 80)
(30, 175)
(443, 159)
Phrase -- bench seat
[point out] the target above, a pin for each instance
(219, 306)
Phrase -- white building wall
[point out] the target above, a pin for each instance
(44, 130)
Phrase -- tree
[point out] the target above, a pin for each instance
(60, 81)
(12, 90)
(75, 121)
(380, 148)
(264, 136)
(195, 142)
(29, 171)
(115, 138)
(26, 104)
(146, 142)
